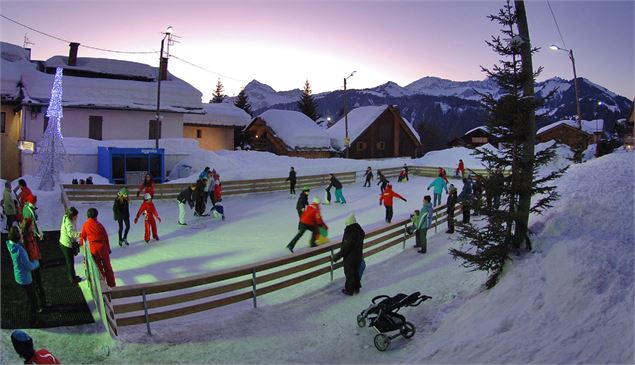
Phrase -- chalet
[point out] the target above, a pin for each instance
(103, 99)
(475, 137)
(567, 132)
(219, 128)
(289, 133)
(376, 132)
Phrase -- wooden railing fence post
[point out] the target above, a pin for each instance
(331, 264)
(145, 311)
(253, 287)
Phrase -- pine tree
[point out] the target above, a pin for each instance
(51, 152)
(218, 96)
(307, 104)
(510, 173)
(242, 101)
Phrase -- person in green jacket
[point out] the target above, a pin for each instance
(28, 213)
(8, 206)
(439, 185)
(424, 222)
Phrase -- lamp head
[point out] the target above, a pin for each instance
(169, 30)
(553, 47)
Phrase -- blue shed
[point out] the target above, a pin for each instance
(122, 165)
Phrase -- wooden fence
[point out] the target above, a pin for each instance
(145, 303)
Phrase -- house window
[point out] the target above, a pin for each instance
(381, 145)
(46, 124)
(479, 140)
(94, 127)
(361, 146)
(3, 123)
(199, 133)
(154, 130)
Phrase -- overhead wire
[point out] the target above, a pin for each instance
(553, 15)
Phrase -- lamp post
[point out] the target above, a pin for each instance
(553, 47)
(597, 133)
(347, 141)
(162, 67)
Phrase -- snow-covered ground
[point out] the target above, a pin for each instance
(570, 301)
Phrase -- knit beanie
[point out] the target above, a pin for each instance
(123, 191)
(350, 220)
(316, 200)
(23, 344)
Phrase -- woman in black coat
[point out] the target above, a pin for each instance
(352, 252)
(200, 197)
(292, 179)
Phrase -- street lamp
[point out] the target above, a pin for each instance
(347, 141)
(163, 65)
(553, 47)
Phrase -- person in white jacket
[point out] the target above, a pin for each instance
(68, 242)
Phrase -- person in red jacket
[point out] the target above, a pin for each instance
(443, 174)
(147, 186)
(311, 220)
(386, 198)
(147, 208)
(461, 169)
(23, 346)
(25, 192)
(95, 233)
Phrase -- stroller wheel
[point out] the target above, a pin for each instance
(361, 320)
(408, 330)
(382, 342)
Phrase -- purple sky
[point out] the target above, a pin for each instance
(282, 43)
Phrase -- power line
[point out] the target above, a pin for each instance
(204, 69)
(67, 41)
(557, 26)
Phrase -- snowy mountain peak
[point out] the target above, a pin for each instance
(257, 86)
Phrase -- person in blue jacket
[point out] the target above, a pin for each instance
(439, 185)
(22, 268)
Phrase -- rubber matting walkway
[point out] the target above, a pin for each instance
(67, 306)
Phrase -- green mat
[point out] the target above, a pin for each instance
(67, 304)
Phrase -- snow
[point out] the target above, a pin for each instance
(588, 126)
(296, 130)
(220, 114)
(444, 106)
(552, 84)
(569, 301)
(176, 95)
(359, 119)
(105, 66)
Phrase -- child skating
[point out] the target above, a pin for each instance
(150, 212)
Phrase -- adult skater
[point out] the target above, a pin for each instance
(22, 268)
(339, 196)
(369, 176)
(204, 174)
(311, 220)
(407, 170)
(425, 222)
(303, 201)
(121, 214)
(185, 196)
(443, 174)
(28, 214)
(214, 178)
(218, 211)
(461, 169)
(386, 198)
(450, 204)
(8, 206)
(439, 185)
(351, 252)
(200, 197)
(33, 250)
(95, 233)
(381, 180)
(147, 186)
(465, 198)
(25, 192)
(23, 346)
(150, 212)
(68, 242)
(292, 181)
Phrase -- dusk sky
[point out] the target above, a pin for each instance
(282, 43)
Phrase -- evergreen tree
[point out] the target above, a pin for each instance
(307, 104)
(218, 96)
(488, 247)
(51, 152)
(242, 101)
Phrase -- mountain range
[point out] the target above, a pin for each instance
(442, 109)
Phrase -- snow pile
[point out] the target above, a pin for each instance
(296, 130)
(220, 114)
(569, 302)
(449, 159)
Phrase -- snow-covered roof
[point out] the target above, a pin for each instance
(296, 129)
(481, 127)
(359, 119)
(588, 126)
(176, 95)
(219, 114)
(105, 66)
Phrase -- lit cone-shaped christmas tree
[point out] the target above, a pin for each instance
(51, 152)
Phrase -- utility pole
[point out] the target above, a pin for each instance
(526, 178)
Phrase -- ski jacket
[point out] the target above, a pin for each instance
(218, 191)
(387, 196)
(452, 199)
(335, 183)
(25, 192)
(302, 202)
(368, 175)
(425, 219)
(185, 196)
(22, 266)
(8, 205)
(146, 189)
(68, 232)
(438, 185)
(292, 177)
(466, 192)
(95, 233)
(461, 166)
(150, 211)
(204, 175)
(28, 214)
(31, 246)
(42, 356)
(352, 246)
(121, 209)
(382, 178)
(311, 216)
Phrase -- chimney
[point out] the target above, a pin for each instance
(28, 54)
(163, 69)
(72, 54)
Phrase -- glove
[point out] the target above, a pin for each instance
(379, 203)
(159, 219)
(404, 199)
(136, 220)
(428, 188)
(109, 251)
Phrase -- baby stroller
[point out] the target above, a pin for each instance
(382, 315)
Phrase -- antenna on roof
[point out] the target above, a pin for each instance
(27, 42)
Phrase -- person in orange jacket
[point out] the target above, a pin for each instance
(386, 198)
(461, 169)
(95, 233)
(148, 209)
(311, 220)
